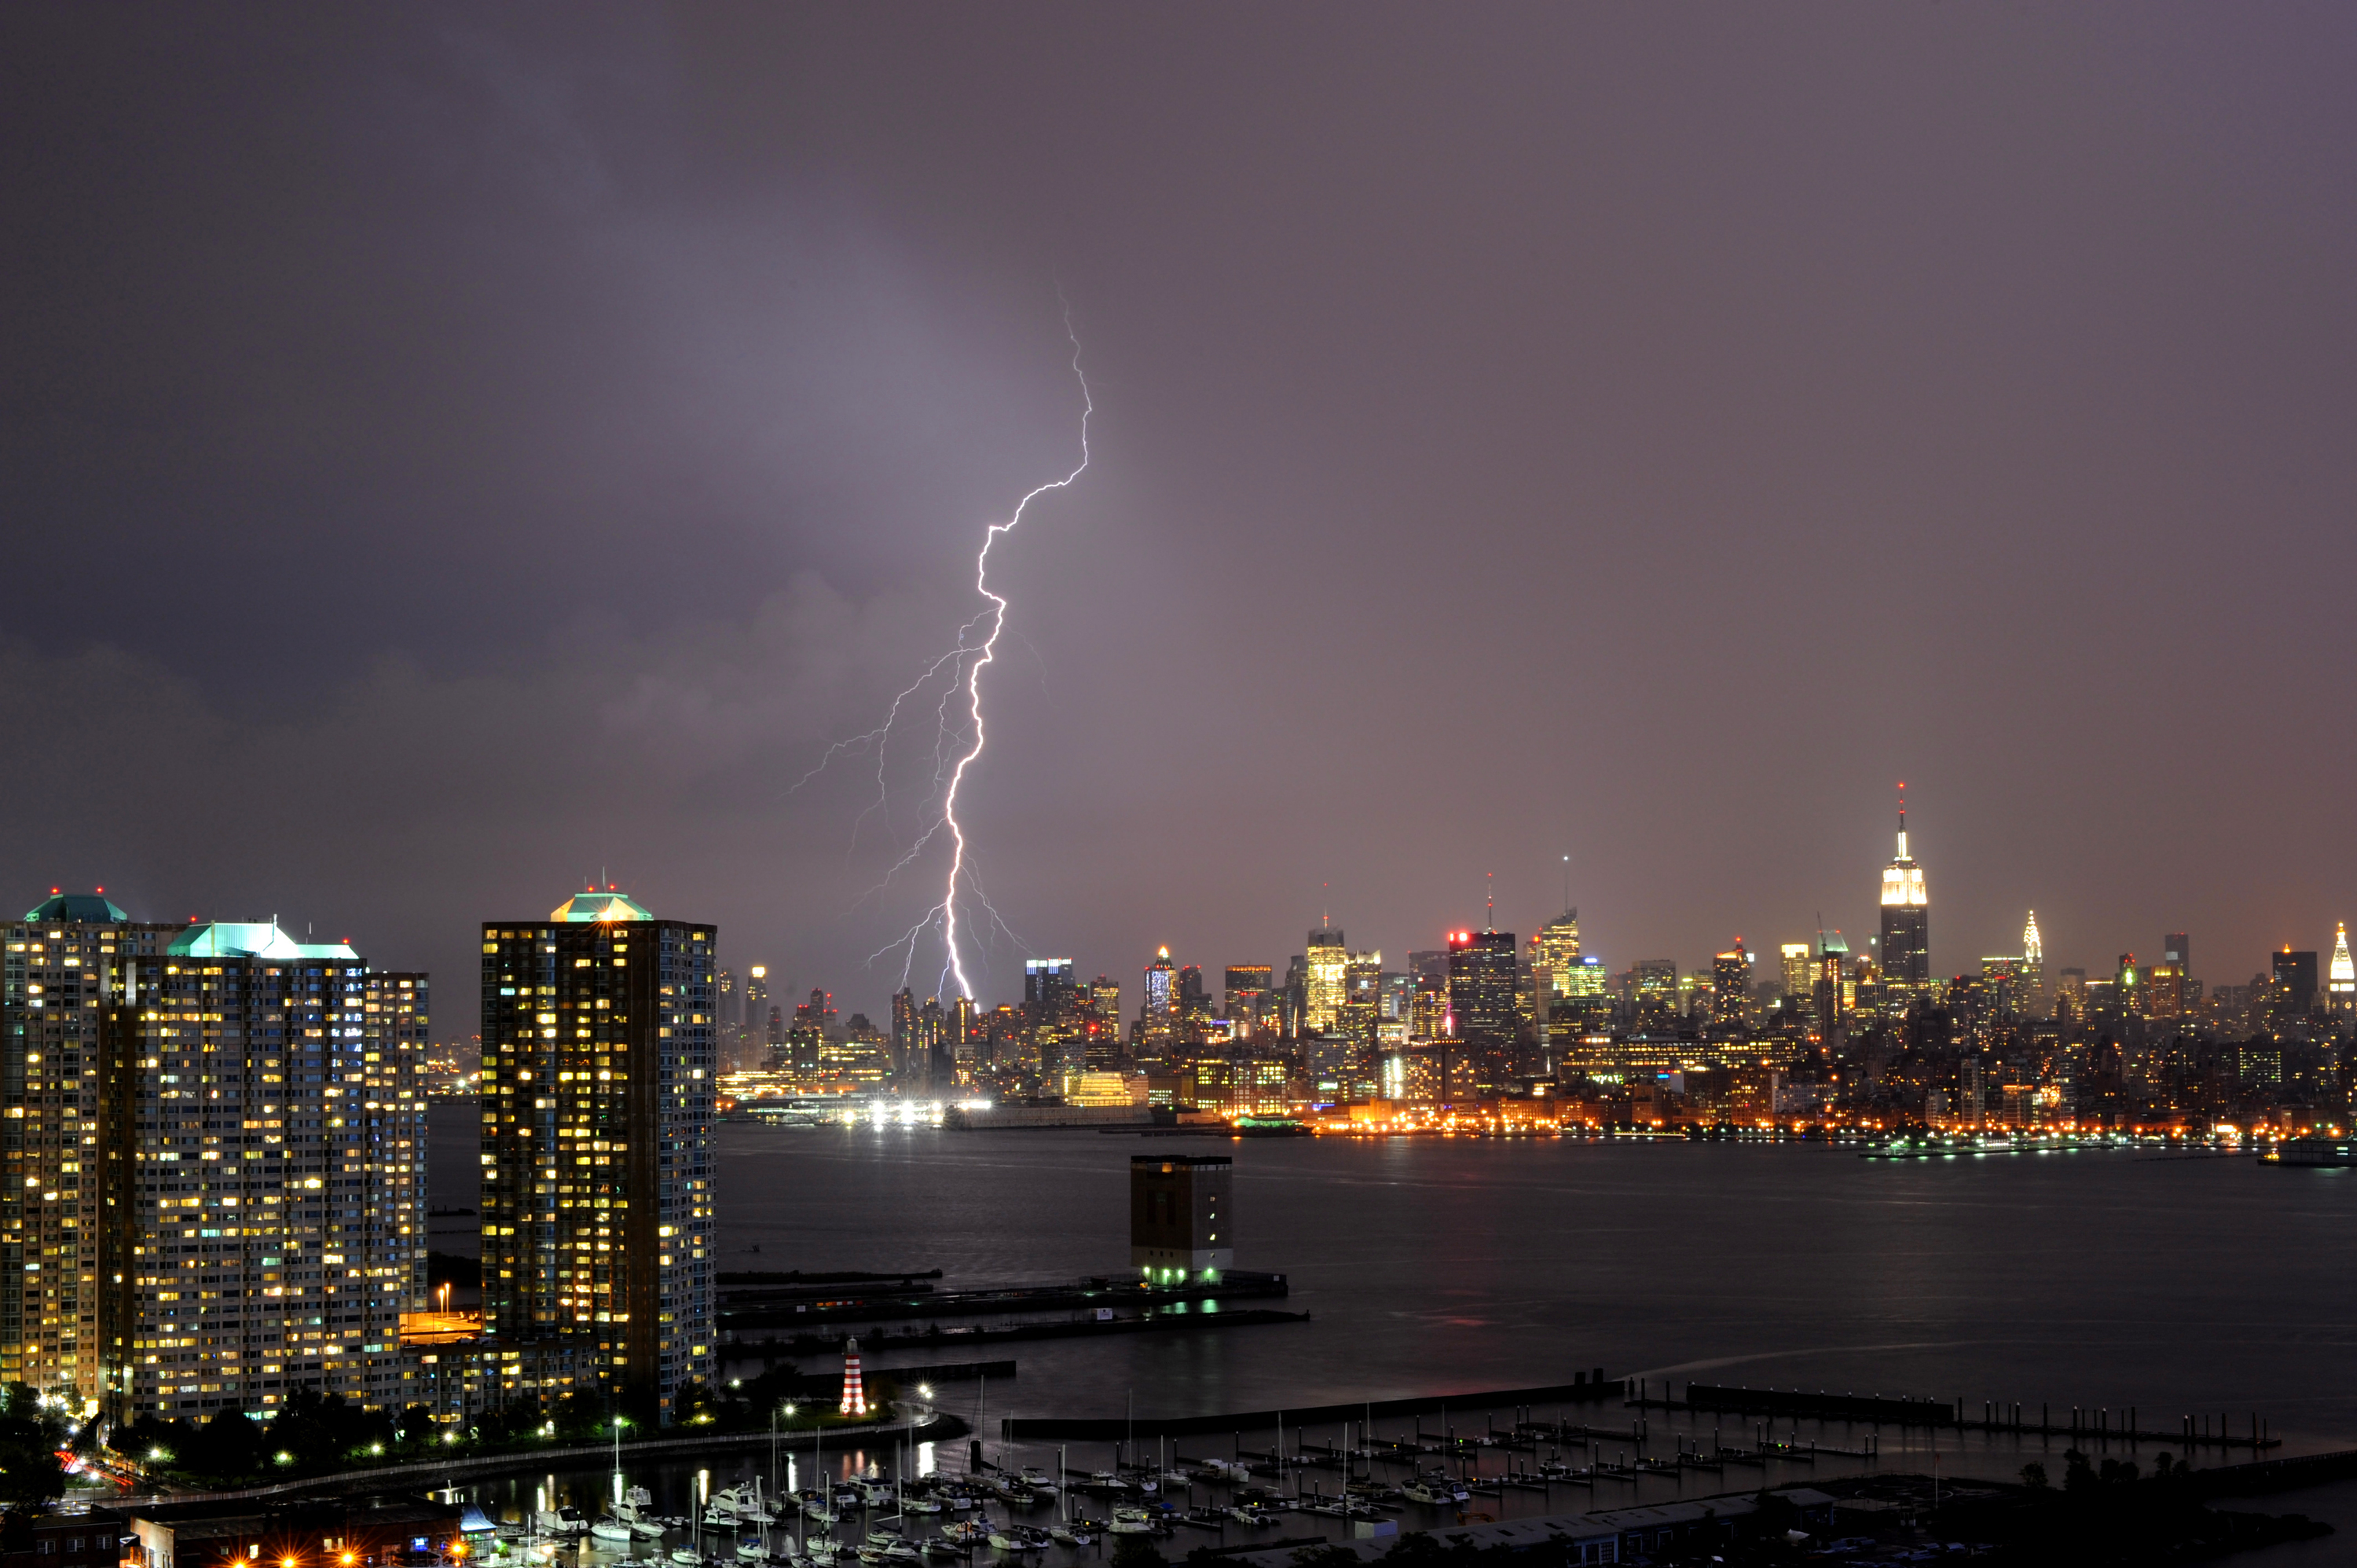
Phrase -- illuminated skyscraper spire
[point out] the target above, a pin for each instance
(2340, 979)
(1906, 913)
(2032, 948)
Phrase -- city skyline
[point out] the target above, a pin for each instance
(1645, 452)
(2101, 952)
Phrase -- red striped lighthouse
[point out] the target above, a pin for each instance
(854, 1398)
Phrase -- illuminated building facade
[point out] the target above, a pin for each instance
(1831, 997)
(2034, 1001)
(597, 1084)
(1325, 983)
(1800, 986)
(757, 997)
(275, 1164)
(2294, 980)
(2340, 981)
(1482, 976)
(1555, 951)
(1906, 917)
(1181, 1213)
(1157, 1006)
(1247, 987)
(65, 1079)
(1731, 984)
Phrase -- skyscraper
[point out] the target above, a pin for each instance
(1247, 986)
(2341, 982)
(1324, 986)
(70, 979)
(1050, 992)
(1194, 1001)
(2295, 978)
(2031, 975)
(1482, 981)
(318, 1174)
(2177, 948)
(1731, 984)
(598, 1079)
(1158, 1006)
(757, 997)
(1555, 949)
(1799, 988)
(1051, 1009)
(909, 1062)
(1905, 917)
(1830, 996)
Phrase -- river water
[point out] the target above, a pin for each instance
(2173, 1285)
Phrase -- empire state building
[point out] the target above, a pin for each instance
(1906, 915)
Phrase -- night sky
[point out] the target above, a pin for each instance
(451, 450)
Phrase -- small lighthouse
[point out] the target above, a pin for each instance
(854, 1398)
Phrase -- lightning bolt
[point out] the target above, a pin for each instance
(948, 907)
(965, 661)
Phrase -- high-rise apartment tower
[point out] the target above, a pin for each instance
(597, 1080)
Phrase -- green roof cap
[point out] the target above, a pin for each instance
(250, 939)
(592, 905)
(87, 908)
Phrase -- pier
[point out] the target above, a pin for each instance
(1030, 1429)
(2080, 1423)
(765, 1305)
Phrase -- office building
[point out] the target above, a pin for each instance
(1829, 995)
(1194, 1001)
(2031, 974)
(1906, 917)
(1654, 988)
(1181, 1214)
(1799, 983)
(1325, 980)
(1050, 992)
(757, 997)
(1555, 952)
(1731, 984)
(1157, 1005)
(2340, 979)
(1246, 998)
(597, 1189)
(2294, 980)
(1482, 974)
(908, 1053)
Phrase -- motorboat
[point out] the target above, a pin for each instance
(1131, 1521)
(1019, 1538)
(616, 1531)
(742, 1502)
(1065, 1535)
(1436, 1490)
